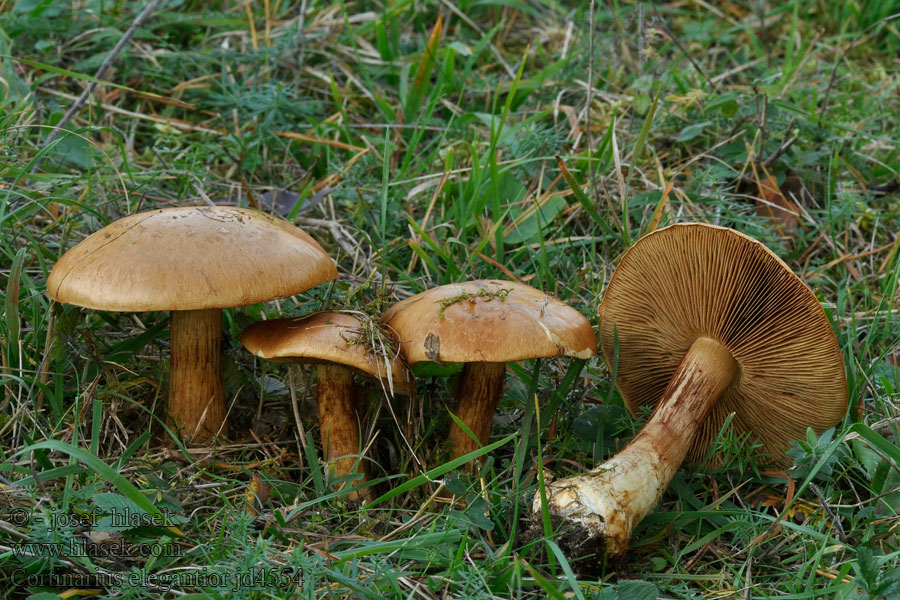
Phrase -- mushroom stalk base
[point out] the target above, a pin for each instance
(339, 425)
(610, 500)
(196, 388)
(479, 392)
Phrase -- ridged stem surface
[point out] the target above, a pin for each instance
(196, 386)
(339, 424)
(479, 392)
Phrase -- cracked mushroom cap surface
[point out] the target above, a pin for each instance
(328, 337)
(488, 321)
(189, 258)
(692, 280)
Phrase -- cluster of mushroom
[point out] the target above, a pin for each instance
(192, 261)
(701, 322)
(195, 261)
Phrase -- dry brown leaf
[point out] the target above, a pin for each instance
(257, 494)
(796, 191)
(772, 203)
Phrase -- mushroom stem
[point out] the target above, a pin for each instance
(610, 500)
(196, 385)
(339, 424)
(479, 393)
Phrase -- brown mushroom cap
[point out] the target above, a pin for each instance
(488, 321)
(189, 258)
(324, 337)
(691, 280)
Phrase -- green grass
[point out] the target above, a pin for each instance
(432, 154)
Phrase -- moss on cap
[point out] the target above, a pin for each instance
(488, 321)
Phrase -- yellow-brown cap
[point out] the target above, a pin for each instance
(691, 280)
(329, 337)
(189, 258)
(488, 321)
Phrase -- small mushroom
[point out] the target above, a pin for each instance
(486, 324)
(193, 261)
(708, 323)
(338, 344)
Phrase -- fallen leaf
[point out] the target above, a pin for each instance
(772, 203)
(257, 494)
(795, 191)
(279, 201)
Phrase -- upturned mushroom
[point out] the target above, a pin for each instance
(708, 323)
(193, 261)
(486, 324)
(338, 344)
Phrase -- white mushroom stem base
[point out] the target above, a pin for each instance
(610, 500)
(479, 392)
(339, 422)
(196, 386)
